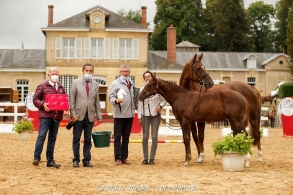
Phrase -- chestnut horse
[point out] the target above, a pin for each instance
(271, 116)
(10, 109)
(249, 92)
(269, 99)
(189, 105)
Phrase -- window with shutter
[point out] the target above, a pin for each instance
(68, 48)
(78, 48)
(107, 48)
(87, 48)
(125, 49)
(58, 48)
(115, 48)
(135, 49)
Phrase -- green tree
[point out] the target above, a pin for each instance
(185, 15)
(132, 15)
(282, 10)
(230, 25)
(259, 17)
(289, 39)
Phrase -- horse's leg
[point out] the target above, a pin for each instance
(195, 136)
(255, 125)
(186, 139)
(201, 129)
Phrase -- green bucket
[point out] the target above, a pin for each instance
(101, 139)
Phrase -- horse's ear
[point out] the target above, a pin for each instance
(194, 58)
(200, 57)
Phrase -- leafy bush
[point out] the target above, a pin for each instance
(240, 143)
(286, 90)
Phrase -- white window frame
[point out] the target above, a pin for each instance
(102, 80)
(97, 48)
(125, 49)
(66, 81)
(22, 86)
(251, 81)
(68, 48)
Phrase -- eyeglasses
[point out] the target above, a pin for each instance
(125, 71)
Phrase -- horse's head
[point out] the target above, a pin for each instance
(195, 71)
(149, 89)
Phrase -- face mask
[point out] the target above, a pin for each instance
(54, 78)
(88, 76)
(123, 78)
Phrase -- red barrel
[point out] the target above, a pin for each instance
(287, 122)
(286, 109)
(136, 129)
(35, 116)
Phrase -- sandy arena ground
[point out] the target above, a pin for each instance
(18, 176)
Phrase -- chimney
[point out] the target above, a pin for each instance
(50, 15)
(143, 16)
(171, 43)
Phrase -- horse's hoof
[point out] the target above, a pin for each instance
(199, 162)
(259, 160)
(185, 164)
(247, 164)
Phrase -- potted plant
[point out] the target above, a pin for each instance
(23, 127)
(232, 150)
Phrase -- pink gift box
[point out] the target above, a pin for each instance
(57, 101)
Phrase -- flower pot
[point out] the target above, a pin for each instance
(232, 161)
(24, 135)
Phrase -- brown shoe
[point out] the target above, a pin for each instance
(125, 161)
(118, 162)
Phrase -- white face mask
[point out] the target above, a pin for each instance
(54, 78)
(88, 76)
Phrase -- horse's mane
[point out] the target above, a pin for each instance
(173, 83)
(185, 69)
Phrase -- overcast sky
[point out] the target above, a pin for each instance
(21, 20)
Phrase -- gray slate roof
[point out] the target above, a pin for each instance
(27, 59)
(214, 60)
(82, 21)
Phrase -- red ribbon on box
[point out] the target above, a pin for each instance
(57, 101)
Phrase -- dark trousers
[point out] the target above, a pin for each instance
(46, 125)
(122, 129)
(78, 127)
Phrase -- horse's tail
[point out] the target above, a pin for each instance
(246, 122)
(256, 135)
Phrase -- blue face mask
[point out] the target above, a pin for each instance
(123, 78)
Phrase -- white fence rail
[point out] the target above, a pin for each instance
(15, 113)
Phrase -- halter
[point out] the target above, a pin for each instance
(155, 91)
(195, 72)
